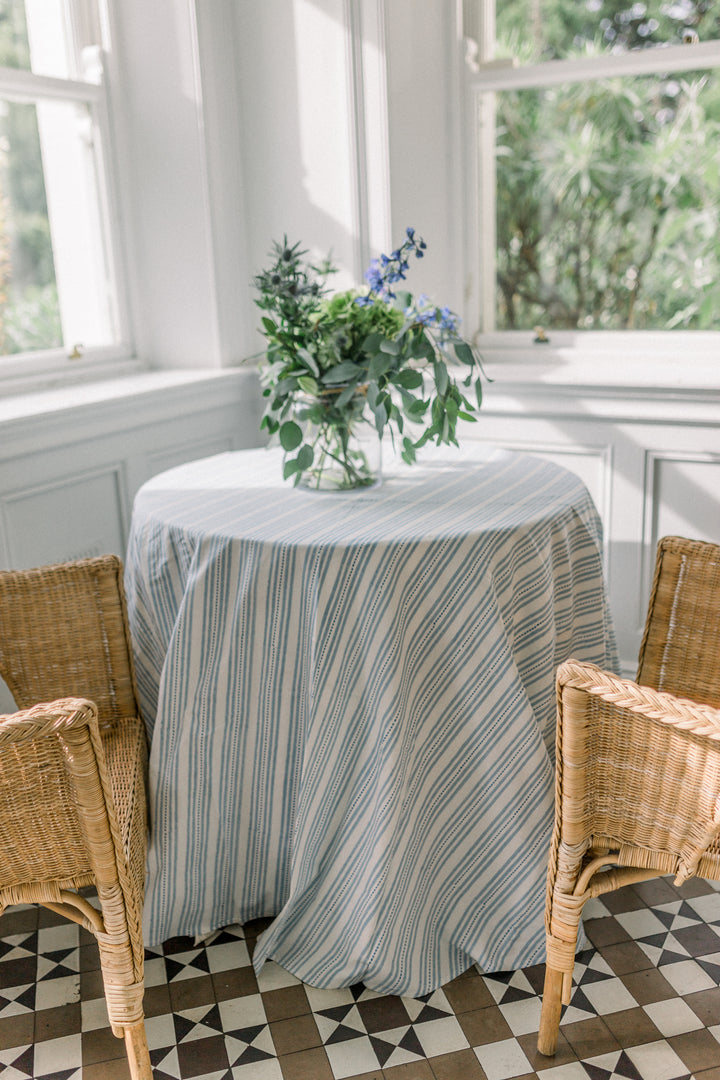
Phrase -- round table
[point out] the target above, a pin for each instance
(351, 703)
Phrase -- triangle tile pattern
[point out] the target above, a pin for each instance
(210, 1021)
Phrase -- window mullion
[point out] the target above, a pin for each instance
(676, 58)
(19, 85)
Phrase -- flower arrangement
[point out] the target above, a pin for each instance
(376, 358)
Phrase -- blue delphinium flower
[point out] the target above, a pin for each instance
(389, 269)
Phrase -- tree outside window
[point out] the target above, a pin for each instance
(57, 286)
(606, 156)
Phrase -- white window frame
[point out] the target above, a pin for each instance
(664, 354)
(74, 361)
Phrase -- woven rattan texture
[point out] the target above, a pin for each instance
(638, 763)
(64, 633)
(680, 651)
(73, 765)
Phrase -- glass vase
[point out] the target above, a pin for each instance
(344, 440)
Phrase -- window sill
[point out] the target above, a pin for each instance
(58, 415)
(625, 365)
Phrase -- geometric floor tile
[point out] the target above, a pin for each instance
(658, 1059)
(640, 1007)
(17, 999)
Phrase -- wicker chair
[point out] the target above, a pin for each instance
(72, 770)
(638, 763)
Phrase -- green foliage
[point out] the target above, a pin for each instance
(14, 47)
(608, 204)
(535, 30)
(31, 321)
(332, 362)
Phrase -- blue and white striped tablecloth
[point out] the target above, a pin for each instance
(351, 702)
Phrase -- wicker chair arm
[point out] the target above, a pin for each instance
(678, 743)
(46, 718)
(681, 713)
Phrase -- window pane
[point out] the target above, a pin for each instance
(534, 30)
(36, 35)
(608, 204)
(14, 47)
(29, 313)
(54, 287)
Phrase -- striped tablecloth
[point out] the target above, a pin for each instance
(351, 703)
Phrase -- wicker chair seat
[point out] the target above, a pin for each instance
(637, 790)
(73, 765)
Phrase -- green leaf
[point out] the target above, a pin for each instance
(479, 392)
(464, 353)
(379, 364)
(391, 347)
(408, 452)
(269, 325)
(346, 395)
(289, 468)
(342, 373)
(305, 457)
(442, 379)
(309, 360)
(422, 347)
(290, 435)
(308, 384)
(371, 344)
(418, 407)
(286, 386)
(408, 378)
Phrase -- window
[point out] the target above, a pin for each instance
(58, 284)
(598, 131)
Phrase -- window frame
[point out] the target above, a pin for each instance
(73, 362)
(484, 76)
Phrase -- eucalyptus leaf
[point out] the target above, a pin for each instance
(342, 373)
(379, 364)
(309, 359)
(390, 347)
(286, 386)
(290, 435)
(372, 342)
(408, 378)
(418, 408)
(308, 384)
(442, 379)
(346, 395)
(305, 457)
(422, 347)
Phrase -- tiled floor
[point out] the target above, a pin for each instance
(646, 1007)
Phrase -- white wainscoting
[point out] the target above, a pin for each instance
(71, 461)
(651, 463)
(69, 468)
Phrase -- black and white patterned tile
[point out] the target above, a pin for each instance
(199, 1029)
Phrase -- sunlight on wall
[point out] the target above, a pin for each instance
(323, 111)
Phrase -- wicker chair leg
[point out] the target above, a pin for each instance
(137, 1051)
(551, 1010)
